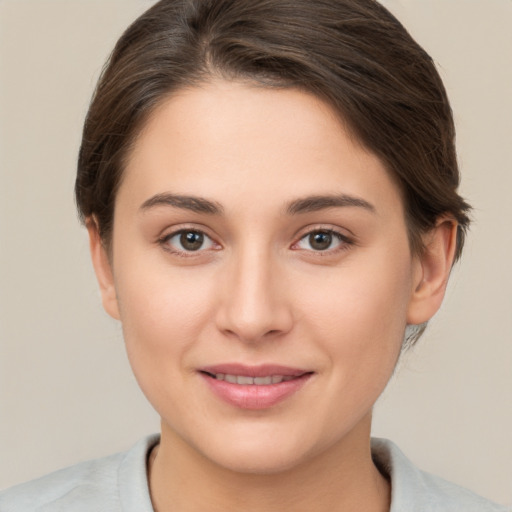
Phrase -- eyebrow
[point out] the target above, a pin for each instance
(192, 203)
(317, 203)
(298, 206)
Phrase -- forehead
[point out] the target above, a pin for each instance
(226, 137)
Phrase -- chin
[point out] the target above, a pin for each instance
(258, 460)
(264, 449)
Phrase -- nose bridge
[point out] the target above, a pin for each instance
(254, 304)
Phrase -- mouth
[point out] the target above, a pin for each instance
(256, 387)
(247, 380)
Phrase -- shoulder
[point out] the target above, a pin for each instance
(413, 489)
(72, 488)
(101, 484)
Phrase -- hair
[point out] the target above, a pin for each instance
(353, 54)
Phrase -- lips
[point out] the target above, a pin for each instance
(254, 387)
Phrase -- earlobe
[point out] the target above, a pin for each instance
(433, 271)
(103, 269)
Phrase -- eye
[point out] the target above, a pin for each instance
(322, 240)
(187, 240)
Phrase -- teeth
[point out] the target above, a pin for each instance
(257, 381)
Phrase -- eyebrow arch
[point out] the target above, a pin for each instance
(316, 203)
(192, 203)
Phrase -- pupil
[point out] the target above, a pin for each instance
(191, 240)
(320, 241)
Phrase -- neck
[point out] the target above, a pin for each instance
(342, 478)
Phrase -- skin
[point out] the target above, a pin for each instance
(260, 291)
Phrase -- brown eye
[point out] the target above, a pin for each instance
(186, 241)
(320, 240)
(191, 240)
(323, 240)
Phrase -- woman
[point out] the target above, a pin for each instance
(270, 194)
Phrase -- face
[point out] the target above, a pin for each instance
(262, 273)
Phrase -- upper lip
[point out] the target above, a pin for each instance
(262, 370)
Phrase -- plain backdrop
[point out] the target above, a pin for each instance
(66, 390)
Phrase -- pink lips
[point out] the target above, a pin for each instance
(254, 396)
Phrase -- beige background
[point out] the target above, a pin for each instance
(66, 392)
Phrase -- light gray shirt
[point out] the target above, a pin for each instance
(119, 484)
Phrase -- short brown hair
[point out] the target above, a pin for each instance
(352, 53)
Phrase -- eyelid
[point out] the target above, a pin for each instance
(333, 228)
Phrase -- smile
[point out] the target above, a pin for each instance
(252, 381)
(254, 387)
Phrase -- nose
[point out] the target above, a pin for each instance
(254, 304)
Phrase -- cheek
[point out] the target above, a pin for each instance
(162, 314)
(359, 313)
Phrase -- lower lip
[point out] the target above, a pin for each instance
(255, 397)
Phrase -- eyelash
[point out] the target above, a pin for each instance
(344, 242)
(164, 242)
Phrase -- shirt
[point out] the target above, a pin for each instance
(119, 483)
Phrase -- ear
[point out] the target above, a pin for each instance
(432, 271)
(103, 269)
